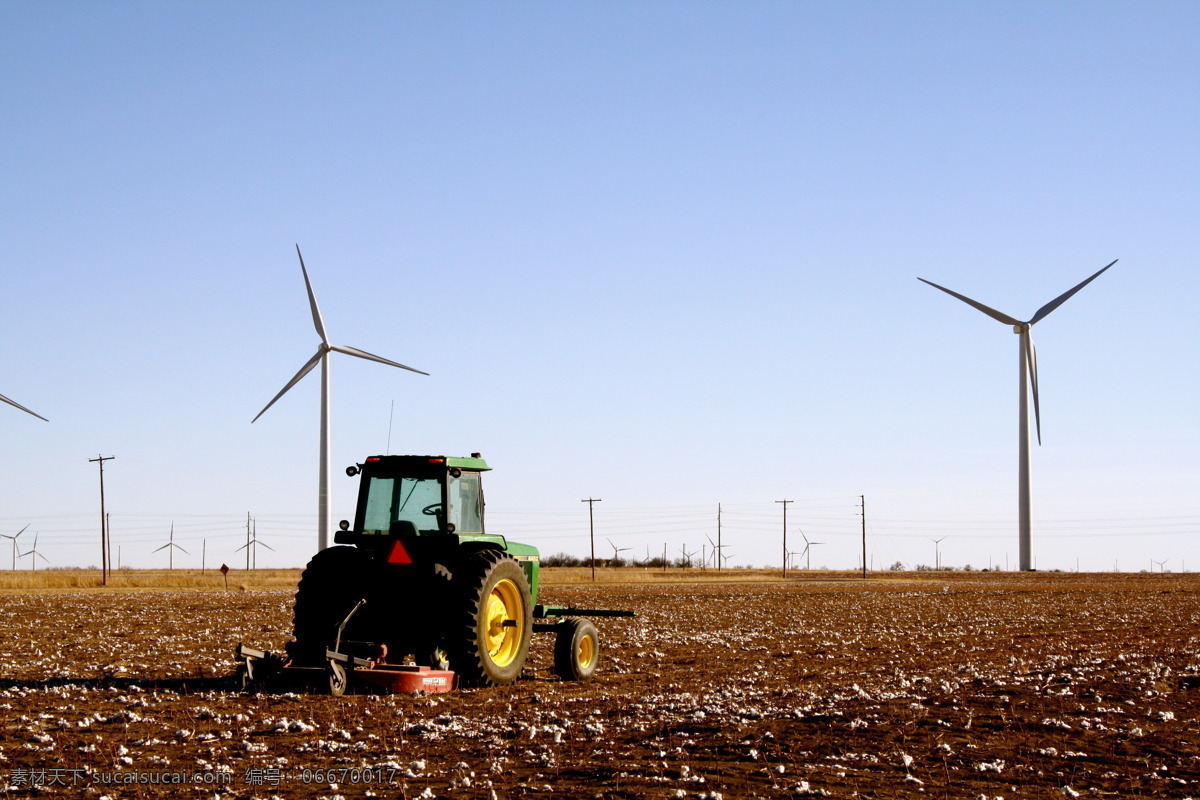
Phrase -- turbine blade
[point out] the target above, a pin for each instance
(1065, 296)
(264, 544)
(21, 531)
(312, 301)
(999, 316)
(307, 368)
(164, 547)
(354, 351)
(1031, 367)
(23, 408)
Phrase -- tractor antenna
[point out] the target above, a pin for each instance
(391, 410)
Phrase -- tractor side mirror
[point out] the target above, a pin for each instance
(455, 472)
(351, 471)
(344, 525)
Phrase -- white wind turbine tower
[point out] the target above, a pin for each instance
(322, 357)
(1028, 383)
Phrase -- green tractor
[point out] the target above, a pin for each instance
(418, 579)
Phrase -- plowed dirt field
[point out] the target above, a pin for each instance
(963, 685)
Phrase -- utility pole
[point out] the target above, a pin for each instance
(863, 498)
(720, 552)
(591, 501)
(103, 519)
(785, 554)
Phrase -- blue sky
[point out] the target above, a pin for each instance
(660, 254)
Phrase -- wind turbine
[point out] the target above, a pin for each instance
(23, 408)
(322, 357)
(807, 551)
(718, 556)
(617, 551)
(33, 552)
(1028, 381)
(14, 541)
(937, 551)
(171, 547)
(254, 543)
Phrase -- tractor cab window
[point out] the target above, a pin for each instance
(415, 500)
(466, 502)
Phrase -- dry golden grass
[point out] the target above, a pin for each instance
(212, 580)
(241, 580)
(136, 579)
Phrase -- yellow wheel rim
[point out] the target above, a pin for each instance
(585, 654)
(504, 617)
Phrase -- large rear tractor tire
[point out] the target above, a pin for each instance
(333, 582)
(576, 649)
(490, 639)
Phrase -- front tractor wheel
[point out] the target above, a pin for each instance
(495, 622)
(576, 649)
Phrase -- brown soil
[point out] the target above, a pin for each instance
(959, 686)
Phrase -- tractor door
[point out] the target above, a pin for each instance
(465, 493)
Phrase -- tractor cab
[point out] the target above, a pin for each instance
(417, 495)
(425, 510)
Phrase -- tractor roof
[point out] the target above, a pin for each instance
(473, 462)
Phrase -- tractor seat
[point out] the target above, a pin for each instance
(403, 527)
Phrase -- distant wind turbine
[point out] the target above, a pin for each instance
(23, 408)
(33, 553)
(14, 545)
(617, 550)
(1028, 381)
(252, 545)
(937, 551)
(807, 551)
(171, 547)
(322, 357)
